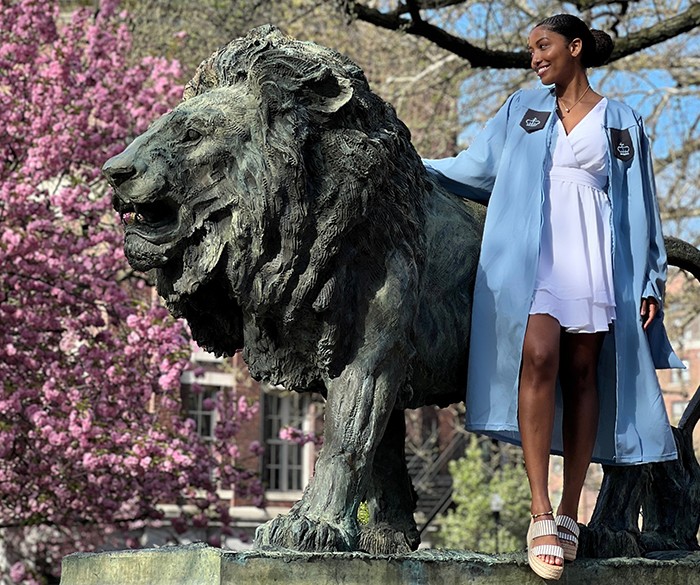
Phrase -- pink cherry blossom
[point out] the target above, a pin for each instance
(92, 437)
(18, 572)
(299, 436)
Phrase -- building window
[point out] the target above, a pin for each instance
(286, 466)
(681, 376)
(677, 410)
(199, 406)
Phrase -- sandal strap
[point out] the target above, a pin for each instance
(568, 537)
(550, 513)
(543, 528)
(568, 523)
(553, 550)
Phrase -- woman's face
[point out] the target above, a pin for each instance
(553, 58)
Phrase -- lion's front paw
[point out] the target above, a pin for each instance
(382, 539)
(299, 532)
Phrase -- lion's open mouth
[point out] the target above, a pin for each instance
(151, 220)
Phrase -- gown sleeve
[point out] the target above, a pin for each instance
(472, 173)
(655, 279)
(654, 285)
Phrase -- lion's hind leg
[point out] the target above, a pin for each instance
(390, 497)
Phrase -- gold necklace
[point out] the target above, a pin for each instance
(576, 102)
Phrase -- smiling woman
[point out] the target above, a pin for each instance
(554, 321)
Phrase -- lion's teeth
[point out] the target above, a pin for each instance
(131, 217)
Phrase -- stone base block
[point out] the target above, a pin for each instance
(199, 564)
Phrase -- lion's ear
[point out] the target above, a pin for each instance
(326, 92)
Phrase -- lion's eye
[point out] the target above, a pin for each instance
(192, 135)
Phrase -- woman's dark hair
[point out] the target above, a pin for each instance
(597, 45)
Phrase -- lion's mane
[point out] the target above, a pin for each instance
(338, 191)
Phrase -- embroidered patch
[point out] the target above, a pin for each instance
(534, 120)
(621, 142)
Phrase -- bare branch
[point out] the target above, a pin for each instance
(689, 146)
(479, 57)
(476, 56)
(414, 10)
(653, 35)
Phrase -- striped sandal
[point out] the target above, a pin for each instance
(569, 540)
(536, 530)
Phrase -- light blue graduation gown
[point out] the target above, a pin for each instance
(506, 166)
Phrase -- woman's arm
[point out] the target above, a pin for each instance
(656, 261)
(654, 287)
(471, 174)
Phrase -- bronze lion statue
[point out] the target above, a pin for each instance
(285, 212)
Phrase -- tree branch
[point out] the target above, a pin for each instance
(476, 56)
(484, 58)
(689, 147)
(414, 10)
(653, 35)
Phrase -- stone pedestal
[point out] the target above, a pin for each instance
(202, 565)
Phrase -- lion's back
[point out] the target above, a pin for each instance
(442, 326)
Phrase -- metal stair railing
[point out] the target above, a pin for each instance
(429, 488)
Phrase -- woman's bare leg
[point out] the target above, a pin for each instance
(577, 375)
(540, 363)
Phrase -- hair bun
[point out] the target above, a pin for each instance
(603, 48)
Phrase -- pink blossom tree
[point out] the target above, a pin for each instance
(300, 437)
(91, 434)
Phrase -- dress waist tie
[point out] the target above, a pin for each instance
(578, 176)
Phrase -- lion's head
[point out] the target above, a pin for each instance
(279, 171)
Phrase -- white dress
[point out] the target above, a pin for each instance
(574, 275)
